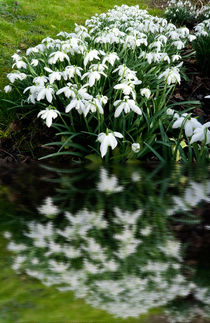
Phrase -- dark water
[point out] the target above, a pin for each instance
(95, 244)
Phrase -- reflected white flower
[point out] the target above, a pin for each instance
(146, 231)
(108, 184)
(48, 207)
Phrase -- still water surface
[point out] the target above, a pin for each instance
(95, 244)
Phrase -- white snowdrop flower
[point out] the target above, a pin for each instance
(64, 34)
(111, 58)
(163, 39)
(16, 76)
(71, 71)
(126, 105)
(58, 56)
(207, 97)
(79, 102)
(49, 114)
(32, 50)
(135, 147)
(34, 62)
(189, 124)
(93, 76)
(176, 58)
(40, 80)
(201, 133)
(170, 112)
(69, 91)
(19, 64)
(179, 44)
(157, 45)
(96, 104)
(90, 56)
(171, 75)
(54, 75)
(191, 37)
(45, 92)
(7, 88)
(127, 88)
(108, 139)
(145, 92)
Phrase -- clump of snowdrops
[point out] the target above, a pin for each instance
(202, 46)
(186, 12)
(108, 84)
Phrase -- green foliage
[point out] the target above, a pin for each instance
(202, 49)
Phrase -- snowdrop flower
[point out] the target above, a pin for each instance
(207, 97)
(16, 76)
(69, 90)
(19, 64)
(34, 62)
(108, 139)
(127, 88)
(170, 112)
(202, 134)
(189, 124)
(176, 58)
(54, 75)
(32, 50)
(111, 58)
(191, 37)
(90, 56)
(79, 102)
(145, 92)
(45, 92)
(58, 56)
(135, 147)
(127, 105)
(93, 76)
(171, 75)
(70, 72)
(179, 44)
(96, 104)
(7, 88)
(49, 114)
(40, 80)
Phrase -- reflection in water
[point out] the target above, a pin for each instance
(109, 237)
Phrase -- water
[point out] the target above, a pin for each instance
(93, 244)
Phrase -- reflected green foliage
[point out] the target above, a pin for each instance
(108, 236)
